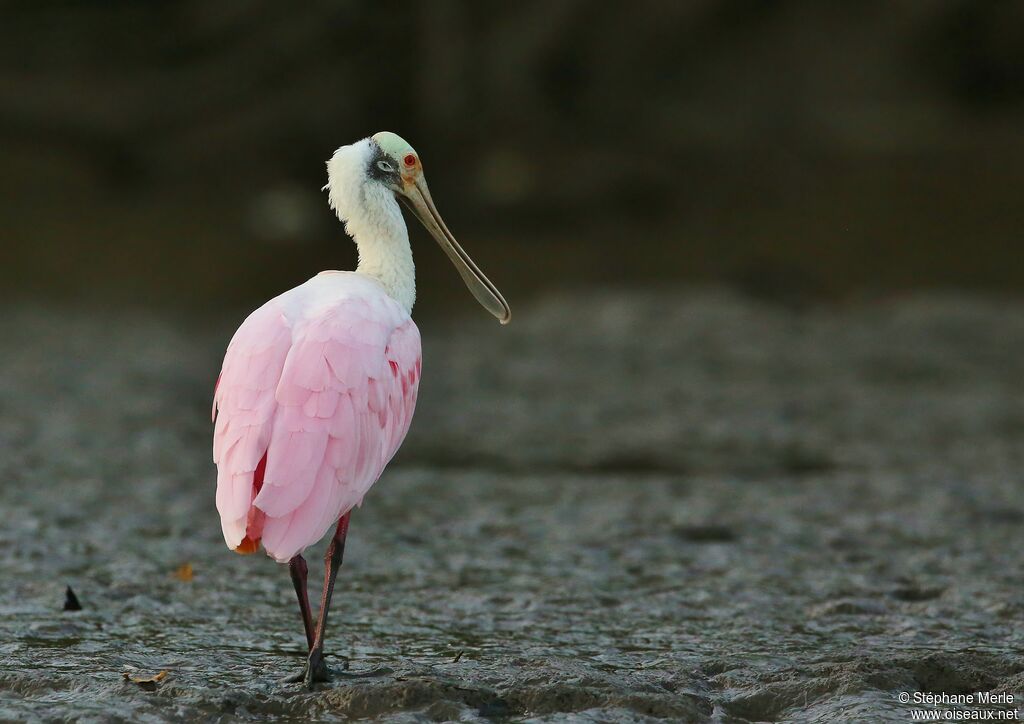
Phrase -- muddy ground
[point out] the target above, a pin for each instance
(628, 506)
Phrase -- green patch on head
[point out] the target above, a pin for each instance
(392, 144)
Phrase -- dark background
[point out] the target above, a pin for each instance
(751, 449)
(171, 153)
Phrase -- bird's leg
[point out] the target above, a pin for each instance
(299, 570)
(316, 670)
(297, 567)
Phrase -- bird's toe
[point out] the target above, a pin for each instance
(316, 671)
(296, 678)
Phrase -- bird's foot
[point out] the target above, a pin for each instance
(346, 673)
(314, 672)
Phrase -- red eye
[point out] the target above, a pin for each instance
(410, 160)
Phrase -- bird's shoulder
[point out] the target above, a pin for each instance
(334, 293)
(332, 305)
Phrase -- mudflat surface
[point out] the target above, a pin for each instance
(678, 505)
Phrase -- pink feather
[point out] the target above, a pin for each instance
(320, 382)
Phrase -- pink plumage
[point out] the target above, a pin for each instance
(318, 388)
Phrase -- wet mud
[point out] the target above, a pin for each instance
(685, 506)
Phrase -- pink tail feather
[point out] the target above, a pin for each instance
(254, 524)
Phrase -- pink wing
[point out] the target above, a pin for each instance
(309, 412)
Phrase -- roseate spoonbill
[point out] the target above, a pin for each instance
(319, 384)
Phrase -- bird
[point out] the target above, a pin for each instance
(318, 386)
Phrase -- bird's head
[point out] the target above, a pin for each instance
(396, 165)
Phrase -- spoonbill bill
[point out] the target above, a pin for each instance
(318, 385)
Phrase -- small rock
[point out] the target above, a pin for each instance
(71, 600)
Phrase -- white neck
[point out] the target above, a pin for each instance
(374, 220)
